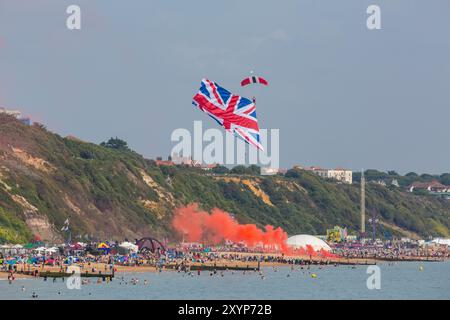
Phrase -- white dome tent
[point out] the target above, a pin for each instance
(302, 241)
(129, 246)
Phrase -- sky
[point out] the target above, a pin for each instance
(340, 94)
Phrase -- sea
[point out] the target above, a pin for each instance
(401, 280)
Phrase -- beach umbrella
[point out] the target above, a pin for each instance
(51, 250)
(103, 246)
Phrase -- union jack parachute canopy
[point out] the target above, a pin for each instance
(254, 79)
(235, 113)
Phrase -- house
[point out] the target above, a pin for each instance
(268, 171)
(209, 167)
(395, 183)
(164, 163)
(16, 114)
(161, 162)
(433, 186)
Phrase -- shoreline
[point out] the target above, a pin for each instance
(203, 267)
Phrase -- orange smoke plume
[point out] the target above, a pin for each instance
(200, 226)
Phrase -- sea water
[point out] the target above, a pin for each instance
(403, 280)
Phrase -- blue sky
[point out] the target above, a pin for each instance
(340, 94)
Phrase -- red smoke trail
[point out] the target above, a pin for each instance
(215, 228)
(200, 226)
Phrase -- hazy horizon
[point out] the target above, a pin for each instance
(341, 95)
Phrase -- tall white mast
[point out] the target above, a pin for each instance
(363, 204)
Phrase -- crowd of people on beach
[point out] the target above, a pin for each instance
(184, 255)
(391, 251)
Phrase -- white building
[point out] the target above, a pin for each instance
(339, 174)
(16, 114)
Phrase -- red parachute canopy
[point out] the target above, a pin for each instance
(254, 79)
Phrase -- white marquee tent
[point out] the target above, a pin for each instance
(302, 241)
(129, 246)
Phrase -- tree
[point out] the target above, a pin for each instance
(445, 178)
(251, 170)
(411, 174)
(372, 174)
(168, 170)
(220, 170)
(427, 177)
(86, 154)
(293, 173)
(393, 173)
(254, 170)
(239, 170)
(115, 143)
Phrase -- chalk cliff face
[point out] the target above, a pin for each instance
(112, 193)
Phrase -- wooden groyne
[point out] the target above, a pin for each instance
(214, 267)
(59, 274)
(410, 259)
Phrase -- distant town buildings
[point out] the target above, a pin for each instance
(268, 171)
(16, 114)
(339, 174)
(433, 186)
(177, 160)
(161, 162)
